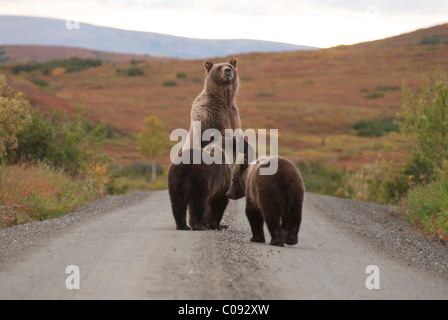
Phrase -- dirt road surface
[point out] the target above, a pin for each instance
(126, 247)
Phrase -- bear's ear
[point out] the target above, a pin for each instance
(234, 62)
(208, 65)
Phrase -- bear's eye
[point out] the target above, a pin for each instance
(219, 68)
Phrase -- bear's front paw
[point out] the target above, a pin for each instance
(277, 242)
(257, 239)
(215, 226)
(199, 227)
(291, 241)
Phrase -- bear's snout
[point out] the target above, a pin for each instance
(228, 71)
(232, 194)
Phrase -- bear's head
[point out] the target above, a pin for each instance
(237, 189)
(222, 74)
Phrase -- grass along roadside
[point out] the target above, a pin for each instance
(426, 206)
(38, 192)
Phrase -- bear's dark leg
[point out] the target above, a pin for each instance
(180, 215)
(272, 212)
(177, 198)
(256, 224)
(215, 211)
(284, 225)
(197, 211)
(294, 218)
(275, 230)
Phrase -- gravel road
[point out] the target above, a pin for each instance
(126, 247)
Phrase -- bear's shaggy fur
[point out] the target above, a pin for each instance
(202, 188)
(275, 199)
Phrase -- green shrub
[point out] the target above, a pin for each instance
(424, 120)
(265, 94)
(430, 40)
(135, 71)
(169, 83)
(388, 88)
(40, 82)
(47, 140)
(427, 206)
(135, 62)
(374, 95)
(70, 65)
(375, 128)
(181, 75)
(137, 176)
(28, 67)
(322, 179)
(394, 189)
(137, 170)
(115, 189)
(61, 144)
(423, 127)
(14, 116)
(100, 131)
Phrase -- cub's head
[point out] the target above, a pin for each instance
(237, 188)
(222, 74)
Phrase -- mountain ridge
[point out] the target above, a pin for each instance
(433, 35)
(53, 32)
(27, 53)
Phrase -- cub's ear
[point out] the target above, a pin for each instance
(208, 65)
(234, 62)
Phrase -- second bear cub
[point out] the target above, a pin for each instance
(275, 199)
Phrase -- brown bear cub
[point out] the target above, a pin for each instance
(275, 199)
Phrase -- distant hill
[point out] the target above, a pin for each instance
(428, 36)
(23, 53)
(15, 30)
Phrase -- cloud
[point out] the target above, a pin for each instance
(321, 23)
(271, 7)
(247, 7)
(390, 6)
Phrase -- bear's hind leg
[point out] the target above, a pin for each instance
(197, 211)
(284, 228)
(256, 224)
(180, 216)
(294, 219)
(215, 211)
(275, 230)
(178, 205)
(272, 217)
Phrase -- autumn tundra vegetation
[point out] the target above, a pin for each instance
(367, 122)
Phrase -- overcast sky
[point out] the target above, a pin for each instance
(321, 23)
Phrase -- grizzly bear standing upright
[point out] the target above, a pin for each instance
(202, 187)
(275, 199)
